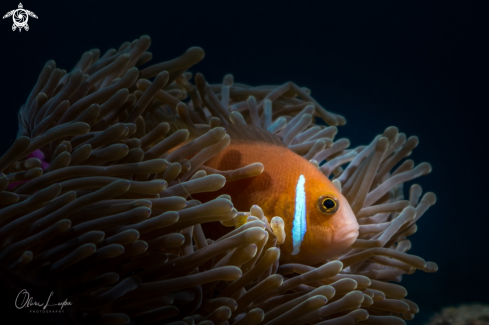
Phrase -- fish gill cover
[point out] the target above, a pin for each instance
(96, 201)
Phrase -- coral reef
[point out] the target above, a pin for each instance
(474, 314)
(96, 205)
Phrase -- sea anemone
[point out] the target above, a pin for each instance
(96, 202)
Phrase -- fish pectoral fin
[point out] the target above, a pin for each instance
(281, 206)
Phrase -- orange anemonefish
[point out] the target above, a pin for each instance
(318, 221)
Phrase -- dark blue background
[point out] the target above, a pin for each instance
(418, 65)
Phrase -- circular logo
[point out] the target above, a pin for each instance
(20, 17)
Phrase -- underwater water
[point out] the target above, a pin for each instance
(413, 66)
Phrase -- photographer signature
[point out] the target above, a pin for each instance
(25, 300)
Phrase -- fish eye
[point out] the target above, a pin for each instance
(328, 204)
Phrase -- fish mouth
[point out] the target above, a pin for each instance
(342, 240)
(347, 234)
(353, 234)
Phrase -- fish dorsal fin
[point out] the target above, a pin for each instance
(251, 133)
(237, 132)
